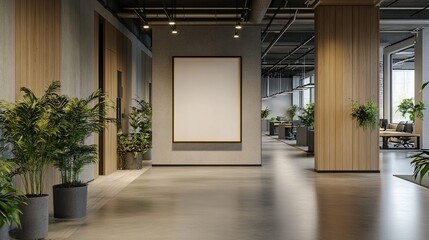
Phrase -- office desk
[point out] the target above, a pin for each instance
(388, 134)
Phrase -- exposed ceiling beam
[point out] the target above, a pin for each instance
(292, 52)
(285, 28)
(259, 8)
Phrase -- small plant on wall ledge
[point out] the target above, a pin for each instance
(407, 107)
(365, 115)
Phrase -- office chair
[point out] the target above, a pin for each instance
(383, 124)
(405, 141)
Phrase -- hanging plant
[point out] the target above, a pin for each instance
(365, 114)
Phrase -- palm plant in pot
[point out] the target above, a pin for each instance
(10, 200)
(307, 121)
(78, 118)
(30, 127)
(132, 146)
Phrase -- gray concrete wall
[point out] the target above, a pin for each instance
(206, 41)
(78, 53)
(7, 50)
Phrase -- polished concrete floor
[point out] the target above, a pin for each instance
(282, 200)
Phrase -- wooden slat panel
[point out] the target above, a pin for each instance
(346, 71)
(37, 41)
(111, 89)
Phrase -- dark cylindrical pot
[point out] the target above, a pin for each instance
(34, 218)
(132, 163)
(148, 155)
(4, 231)
(70, 202)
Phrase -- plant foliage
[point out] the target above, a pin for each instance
(307, 116)
(10, 198)
(265, 112)
(78, 118)
(31, 127)
(365, 115)
(139, 140)
(407, 107)
(291, 112)
(420, 163)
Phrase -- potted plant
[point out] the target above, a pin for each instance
(307, 120)
(132, 146)
(365, 115)
(291, 113)
(78, 118)
(264, 114)
(10, 200)
(407, 107)
(420, 163)
(30, 127)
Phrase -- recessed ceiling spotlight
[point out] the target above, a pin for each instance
(236, 35)
(174, 31)
(171, 23)
(238, 26)
(146, 26)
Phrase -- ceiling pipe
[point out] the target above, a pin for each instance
(285, 28)
(403, 61)
(290, 54)
(264, 34)
(259, 8)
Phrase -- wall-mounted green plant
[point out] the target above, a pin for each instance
(307, 116)
(365, 115)
(291, 112)
(407, 107)
(265, 112)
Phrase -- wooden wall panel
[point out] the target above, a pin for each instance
(37, 46)
(117, 57)
(111, 89)
(347, 43)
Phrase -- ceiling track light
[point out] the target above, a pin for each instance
(171, 23)
(236, 35)
(174, 31)
(238, 26)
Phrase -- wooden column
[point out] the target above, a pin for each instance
(347, 69)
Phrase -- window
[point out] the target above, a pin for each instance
(306, 97)
(402, 87)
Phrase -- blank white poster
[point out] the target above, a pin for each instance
(206, 99)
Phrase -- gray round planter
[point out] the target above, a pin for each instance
(148, 155)
(34, 218)
(4, 231)
(70, 202)
(132, 163)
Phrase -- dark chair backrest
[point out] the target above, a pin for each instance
(296, 122)
(383, 123)
(409, 127)
(400, 127)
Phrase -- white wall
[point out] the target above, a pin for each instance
(7, 50)
(206, 41)
(277, 105)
